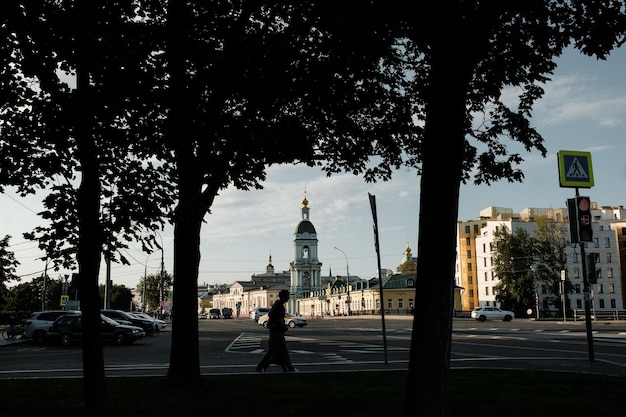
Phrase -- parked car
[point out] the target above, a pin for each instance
(68, 329)
(214, 313)
(291, 320)
(202, 316)
(258, 312)
(123, 316)
(158, 323)
(36, 326)
(227, 313)
(492, 313)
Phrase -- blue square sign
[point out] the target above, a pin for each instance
(575, 169)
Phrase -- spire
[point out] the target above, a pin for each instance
(270, 268)
(305, 208)
(305, 202)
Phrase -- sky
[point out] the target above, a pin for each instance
(584, 109)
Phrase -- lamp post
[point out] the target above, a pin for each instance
(145, 285)
(161, 293)
(347, 279)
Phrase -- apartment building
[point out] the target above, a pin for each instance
(476, 249)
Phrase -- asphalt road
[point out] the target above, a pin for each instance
(344, 344)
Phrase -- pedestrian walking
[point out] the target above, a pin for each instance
(277, 351)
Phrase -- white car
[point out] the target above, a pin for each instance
(256, 313)
(492, 313)
(291, 320)
(158, 324)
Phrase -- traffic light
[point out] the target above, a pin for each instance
(573, 222)
(583, 217)
(590, 265)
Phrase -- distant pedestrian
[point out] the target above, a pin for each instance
(277, 350)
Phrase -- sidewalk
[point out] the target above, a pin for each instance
(15, 340)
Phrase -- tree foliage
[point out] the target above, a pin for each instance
(529, 265)
(513, 265)
(151, 285)
(8, 265)
(28, 297)
(121, 297)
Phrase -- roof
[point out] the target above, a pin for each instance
(395, 281)
(305, 226)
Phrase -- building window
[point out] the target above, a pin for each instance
(470, 280)
(601, 303)
(389, 303)
(609, 272)
(469, 266)
(608, 257)
(613, 303)
(400, 303)
(486, 290)
(576, 273)
(471, 293)
(596, 244)
(484, 248)
(467, 229)
(577, 288)
(469, 254)
(599, 288)
(611, 288)
(579, 304)
(607, 242)
(485, 262)
(468, 241)
(485, 277)
(575, 257)
(475, 228)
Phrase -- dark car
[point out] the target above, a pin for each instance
(68, 329)
(37, 324)
(122, 316)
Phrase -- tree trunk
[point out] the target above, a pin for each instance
(429, 363)
(89, 233)
(184, 354)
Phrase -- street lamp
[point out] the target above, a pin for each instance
(347, 279)
(161, 293)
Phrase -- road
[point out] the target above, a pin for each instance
(342, 344)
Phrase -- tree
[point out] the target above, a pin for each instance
(529, 264)
(464, 54)
(550, 239)
(121, 297)
(76, 142)
(151, 285)
(245, 79)
(8, 265)
(27, 297)
(513, 265)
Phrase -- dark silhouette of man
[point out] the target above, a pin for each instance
(277, 350)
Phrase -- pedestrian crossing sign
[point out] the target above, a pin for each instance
(575, 169)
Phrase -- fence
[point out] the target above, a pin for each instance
(601, 315)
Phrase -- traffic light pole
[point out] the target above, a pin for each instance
(587, 295)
